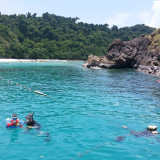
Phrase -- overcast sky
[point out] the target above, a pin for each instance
(113, 12)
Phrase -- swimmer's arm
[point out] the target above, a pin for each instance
(9, 124)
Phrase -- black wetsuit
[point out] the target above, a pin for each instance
(34, 124)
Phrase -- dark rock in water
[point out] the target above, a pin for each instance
(141, 53)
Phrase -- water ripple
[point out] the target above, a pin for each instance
(84, 113)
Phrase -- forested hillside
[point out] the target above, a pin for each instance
(56, 37)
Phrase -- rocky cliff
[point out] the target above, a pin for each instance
(141, 53)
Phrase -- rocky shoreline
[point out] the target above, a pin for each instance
(141, 53)
(153, 70)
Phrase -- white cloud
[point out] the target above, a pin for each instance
(119, 19)
(152, 18)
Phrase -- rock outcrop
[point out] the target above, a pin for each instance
(141, 53)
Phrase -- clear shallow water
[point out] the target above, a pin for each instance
(83, 115)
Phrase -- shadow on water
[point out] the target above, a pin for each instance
(37, 132)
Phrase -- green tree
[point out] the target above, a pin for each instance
(2, 51)
(51, 36)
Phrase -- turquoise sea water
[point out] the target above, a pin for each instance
(84, 113)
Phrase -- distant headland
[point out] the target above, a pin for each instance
(141, 53)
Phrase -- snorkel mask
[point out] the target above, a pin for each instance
(14, 118)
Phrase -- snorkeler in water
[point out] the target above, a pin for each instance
(14, 122)
(149, 132)
(30, 122)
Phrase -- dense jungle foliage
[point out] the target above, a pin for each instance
(57, 37)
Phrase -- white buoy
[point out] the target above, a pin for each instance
(125, 127)
(39, 93)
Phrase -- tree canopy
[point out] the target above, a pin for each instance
(56, 37)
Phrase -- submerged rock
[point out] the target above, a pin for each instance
(141, 53)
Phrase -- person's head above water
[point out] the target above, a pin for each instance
(29, 118)
(15, 119)
(153, 129)
(14, 116)
(30, 122)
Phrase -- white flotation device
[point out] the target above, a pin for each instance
(9, 120)
(153, 129)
